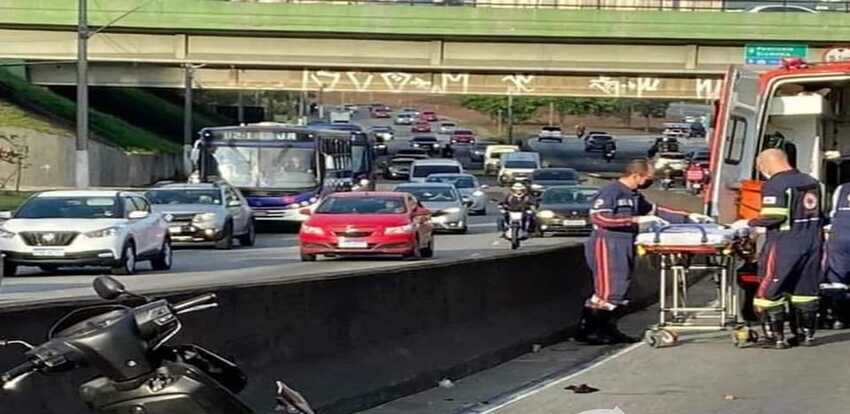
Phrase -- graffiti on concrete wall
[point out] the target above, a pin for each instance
(708, 88)
(518, 84)
(620, 87)
(395, 82)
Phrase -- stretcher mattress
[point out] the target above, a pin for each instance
(708, 235)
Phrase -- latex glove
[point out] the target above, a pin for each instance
(740, 224)
(700, 218)
(648, 222)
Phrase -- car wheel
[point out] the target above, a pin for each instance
(9, 269)
(308, 257)
(482, 212)
(250, 237)
(49, 268)
(226, 242)
(428, 251)
(127, 264)
(165, 257)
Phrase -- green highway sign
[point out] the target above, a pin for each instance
(772, 54)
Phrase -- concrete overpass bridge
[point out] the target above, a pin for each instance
(385, 48)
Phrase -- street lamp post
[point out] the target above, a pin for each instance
(82, 142)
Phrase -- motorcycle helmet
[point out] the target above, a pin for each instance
(518, 189)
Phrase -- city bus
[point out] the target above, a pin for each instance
(280, 169)
(363, 156)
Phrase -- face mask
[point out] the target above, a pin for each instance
(646, 184)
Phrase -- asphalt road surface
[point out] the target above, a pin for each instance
(276, 255)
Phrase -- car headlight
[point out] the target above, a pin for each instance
(313, 199)
(6, 234)
(536, 187)
(477, 193)
(364, 182)
(405, 229)
(451, 210)
(307, 229)
(107, 232)
(546, 214)
(204, 218)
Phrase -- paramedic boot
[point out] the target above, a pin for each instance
(587, 326)
(796, 338)
(610, 331)
(775, 319)
(808, 321)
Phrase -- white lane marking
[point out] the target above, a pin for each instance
(483, 225)
(553, 382)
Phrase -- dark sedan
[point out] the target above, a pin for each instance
(565, 210)
(549, 177)
(598, 142)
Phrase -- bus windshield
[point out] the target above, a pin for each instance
(269, 167)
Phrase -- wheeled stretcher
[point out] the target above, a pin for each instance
(686, 248)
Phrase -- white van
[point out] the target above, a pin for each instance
(493, 157)
(421, 169)
(802, 109)
(518, 166)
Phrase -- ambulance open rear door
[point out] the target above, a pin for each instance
(734, 142)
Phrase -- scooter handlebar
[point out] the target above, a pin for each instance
(191, 303)
(20, 370)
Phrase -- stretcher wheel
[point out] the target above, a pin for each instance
(744, 337)
(660, 338)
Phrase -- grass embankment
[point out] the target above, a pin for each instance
(146, 110)
(108, 127)
(10, 200)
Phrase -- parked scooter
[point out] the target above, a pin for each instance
(138, 372)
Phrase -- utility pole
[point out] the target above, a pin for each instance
(240, 108)
(510, 119)
(551, 113)
(500, 122)
(187, 118)
(82, 144)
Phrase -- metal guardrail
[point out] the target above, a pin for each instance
(798, 6)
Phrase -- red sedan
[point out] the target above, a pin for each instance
(421, 127)
(463, 136)
(428, 116)
(367, 223)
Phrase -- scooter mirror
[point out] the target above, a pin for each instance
(108, 288)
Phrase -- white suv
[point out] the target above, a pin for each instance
(115, 229)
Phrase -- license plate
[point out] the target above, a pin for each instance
(48, 252)
(352, 244)
(175, 230)
(574, 223)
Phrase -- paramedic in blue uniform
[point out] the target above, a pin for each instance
(618, 212)
(837, 261)
(789, 263)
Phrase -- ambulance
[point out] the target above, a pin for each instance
(801, 108)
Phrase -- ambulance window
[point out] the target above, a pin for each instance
(736, 135)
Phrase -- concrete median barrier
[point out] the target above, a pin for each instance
(351, 341)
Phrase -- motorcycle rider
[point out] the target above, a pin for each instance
(609, 151)
(518, 199)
